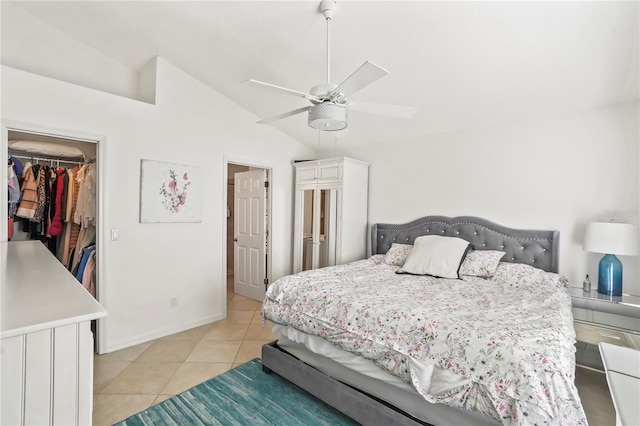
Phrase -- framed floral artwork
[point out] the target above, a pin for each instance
(169, 192)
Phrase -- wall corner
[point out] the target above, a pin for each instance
(147, 81)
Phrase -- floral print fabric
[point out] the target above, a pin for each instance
(397, 254)
(481, 263)
(511, 335)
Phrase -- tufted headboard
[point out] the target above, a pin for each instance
(533, 247)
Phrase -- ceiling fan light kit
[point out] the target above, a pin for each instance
(328, 111)
(328, 117)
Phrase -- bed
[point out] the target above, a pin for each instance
(385, 347)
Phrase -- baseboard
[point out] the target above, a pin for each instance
(161, 333)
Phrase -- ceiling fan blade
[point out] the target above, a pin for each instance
(398, 111)
(284, 115)
(362, 77)
(284, 90)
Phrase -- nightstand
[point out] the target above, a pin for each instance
(601, 318)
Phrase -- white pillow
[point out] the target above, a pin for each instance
(436, 256)
(481, 263)
(397, 254)
(46, 148)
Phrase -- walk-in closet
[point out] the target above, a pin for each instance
(49, 294)
(52, 198)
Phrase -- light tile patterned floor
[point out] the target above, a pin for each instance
(133, 379)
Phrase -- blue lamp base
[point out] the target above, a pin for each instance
(610, 276)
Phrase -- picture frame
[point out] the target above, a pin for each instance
(170, 192)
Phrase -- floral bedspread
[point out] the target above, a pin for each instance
(511, 335)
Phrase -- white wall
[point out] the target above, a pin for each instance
(31, 45)
(557, 173)
(191, 124)
(560, 173)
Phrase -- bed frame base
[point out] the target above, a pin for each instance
(361, 407)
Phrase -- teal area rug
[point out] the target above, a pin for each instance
(242, 396)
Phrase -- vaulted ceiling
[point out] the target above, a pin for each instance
(461, 64)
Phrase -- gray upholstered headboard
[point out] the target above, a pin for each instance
(534, 247)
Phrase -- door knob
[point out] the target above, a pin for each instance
(235, 239)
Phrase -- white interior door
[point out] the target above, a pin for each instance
(250, 234)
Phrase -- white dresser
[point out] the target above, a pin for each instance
(46, 348)
(622, 367)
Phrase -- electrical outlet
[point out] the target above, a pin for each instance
(173, 302)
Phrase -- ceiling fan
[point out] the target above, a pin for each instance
(329, 102)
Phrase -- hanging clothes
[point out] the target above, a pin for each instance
(90, 200)
(86, 237)
(70, 230)
(83, 262)
(29, 202)
(42, 196)
(13, 188)
(85, 214)
(10, 228)
(17, 165)
(49, 181)
(82, 191)
(89, 274)
(13, 197)
(55, 228)
(58, 207)
(63, 202)
(71, 227)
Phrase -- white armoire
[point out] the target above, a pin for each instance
(330, 226)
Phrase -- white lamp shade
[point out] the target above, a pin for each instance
(328, 117)
(612, 238)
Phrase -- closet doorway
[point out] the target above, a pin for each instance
(248, 203)
(70, 226)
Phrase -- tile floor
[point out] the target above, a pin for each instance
(133, 379)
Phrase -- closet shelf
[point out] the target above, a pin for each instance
(45, 151)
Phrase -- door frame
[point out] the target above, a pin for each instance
(78, 136)
(243, 161)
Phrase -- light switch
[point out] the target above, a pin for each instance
(115, 234)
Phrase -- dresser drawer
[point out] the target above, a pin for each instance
(594, 334)
(589, 335)
(607, 319)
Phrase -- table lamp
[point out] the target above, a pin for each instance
(611, 238)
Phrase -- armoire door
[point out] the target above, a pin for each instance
(319, 222)
(328, 227)
(308, 229)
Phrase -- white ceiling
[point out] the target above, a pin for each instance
(461, 64)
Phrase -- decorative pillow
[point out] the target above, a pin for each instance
(436, 256)
(397, 254)
(481, 263)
